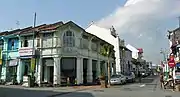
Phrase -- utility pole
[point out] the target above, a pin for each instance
(179, 20)
(33, 59)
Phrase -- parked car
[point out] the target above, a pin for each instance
(118, 79)
(130, 77)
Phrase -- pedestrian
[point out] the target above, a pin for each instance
(162, 80)
(139, 76)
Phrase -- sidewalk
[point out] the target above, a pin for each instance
(55, 89)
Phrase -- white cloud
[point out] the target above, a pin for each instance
(143, 19)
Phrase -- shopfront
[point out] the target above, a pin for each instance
(12, 70)
(25, 63)
(48, 70)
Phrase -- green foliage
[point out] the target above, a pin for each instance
(106, 50)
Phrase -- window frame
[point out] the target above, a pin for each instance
(69, 39)
(46, 37)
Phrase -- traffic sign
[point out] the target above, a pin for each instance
(171, 62)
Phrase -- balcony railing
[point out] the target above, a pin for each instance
(42, 42)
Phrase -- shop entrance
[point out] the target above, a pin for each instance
(26, 64)
(12, 71)
(51, 73)
(68, 70)
(48, 71)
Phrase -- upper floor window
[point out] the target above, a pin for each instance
(47, 39)
(1, 44)
(13, 44)
(28, 41)
(69, 39)
(94, 46)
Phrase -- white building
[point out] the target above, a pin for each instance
(65, 50)
(111, 37)
(134, 51)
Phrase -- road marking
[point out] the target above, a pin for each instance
(142, 85)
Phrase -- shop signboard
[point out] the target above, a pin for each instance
(177, 74)
(171, 62)
(25, 51)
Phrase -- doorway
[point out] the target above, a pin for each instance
(51, 74)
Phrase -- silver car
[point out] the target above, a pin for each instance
(117, 79)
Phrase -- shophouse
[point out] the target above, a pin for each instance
(58, 52)
(68, 51)
(10, 67)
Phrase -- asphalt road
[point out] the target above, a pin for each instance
(148, 88)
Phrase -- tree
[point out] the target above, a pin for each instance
(136, 62)
(107, 51)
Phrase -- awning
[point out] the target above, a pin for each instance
(177, 64)
(13, 62)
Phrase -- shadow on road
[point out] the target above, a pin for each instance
(148, 79)
(14, 92)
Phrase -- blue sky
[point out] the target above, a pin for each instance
(48, 11)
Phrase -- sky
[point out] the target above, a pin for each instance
(81, 12)
(142, 24)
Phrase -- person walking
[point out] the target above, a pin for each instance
(139, 76)
(161, 80)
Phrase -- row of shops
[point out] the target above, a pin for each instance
(171, 64)
(49, 62)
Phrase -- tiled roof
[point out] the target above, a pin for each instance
(50, 26)
(43, 27)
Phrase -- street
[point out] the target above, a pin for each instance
(148, 88)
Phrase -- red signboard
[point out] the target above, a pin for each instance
(171, 62)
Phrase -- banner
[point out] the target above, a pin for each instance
(0, 61)
(33, 64)
(0, 53)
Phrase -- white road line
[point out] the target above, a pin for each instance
(142, 85)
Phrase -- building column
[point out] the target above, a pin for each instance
(18, 78)
(56, 71)
(79, 70)
(39, 72)
(98, 66)
(89, 71)
(59, 70)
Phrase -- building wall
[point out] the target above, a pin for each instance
(134, 51)
(9, 53)
(128, 60)
(106, 35)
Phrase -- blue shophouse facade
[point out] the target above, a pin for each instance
(10, 68)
